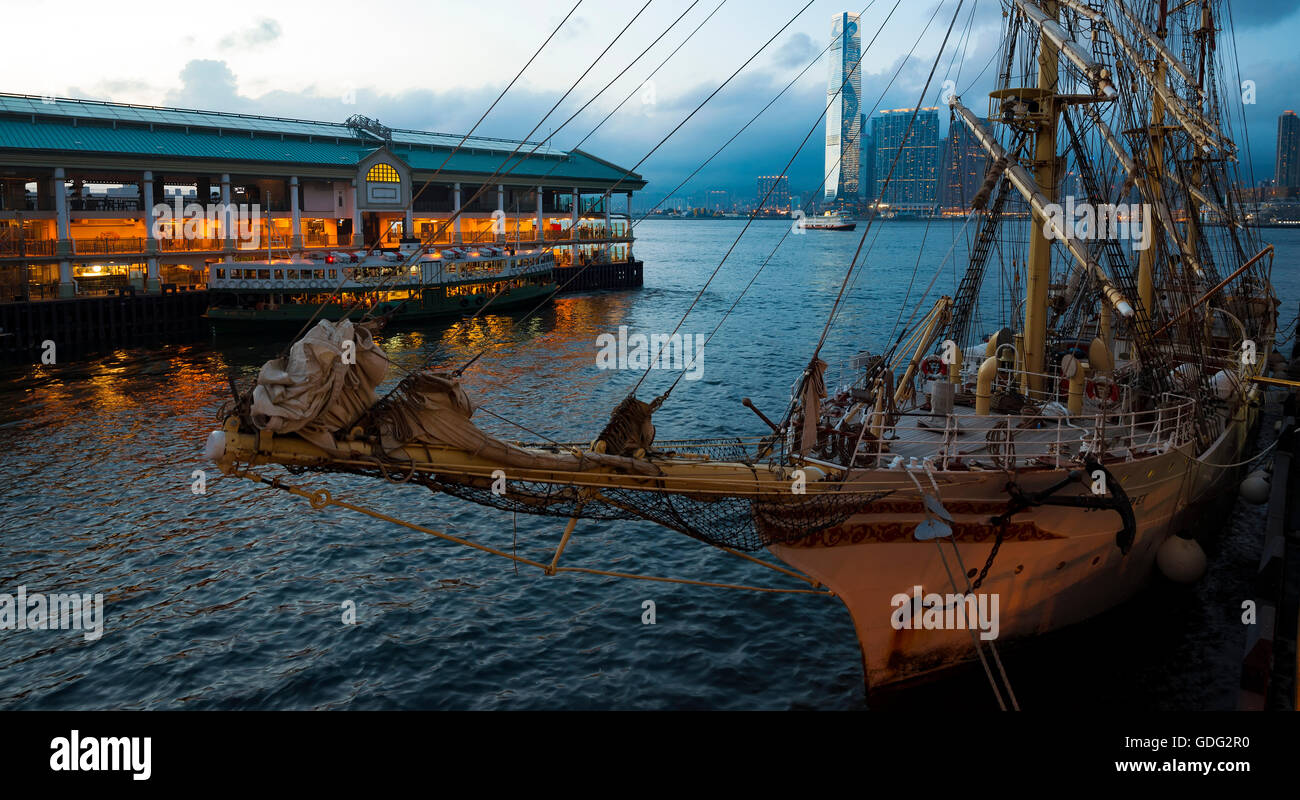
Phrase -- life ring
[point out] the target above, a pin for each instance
(1103, 391)
(932, 367)
(478, 299)
(463, 302)
(243, 284)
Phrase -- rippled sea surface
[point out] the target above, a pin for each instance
(234, 598)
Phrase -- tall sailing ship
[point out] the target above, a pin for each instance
(1043, 434)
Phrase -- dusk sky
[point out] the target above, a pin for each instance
(438, 65)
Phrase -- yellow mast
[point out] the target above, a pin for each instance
(1040, 246)
(1154, 165)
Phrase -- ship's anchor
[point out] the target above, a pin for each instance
(1117, 501)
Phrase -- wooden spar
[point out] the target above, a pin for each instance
(1275, 381)
(1268, 249)
(937, 316)
(564, 540)
(747, 403)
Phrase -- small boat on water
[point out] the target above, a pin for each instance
(440, 283)
(829, 222)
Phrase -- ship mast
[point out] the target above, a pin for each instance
(1154, 167)
(1040, 246)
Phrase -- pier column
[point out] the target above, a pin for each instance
(573, 227)
(541, 231)
(228, 242)
(358, 235)
(153, 281)
(63, 245)
(501, 206)
(408, 224)
(148, 192)
(628, 232)
(456, 200)
(295, 209)
(608, 199)
(67, 288)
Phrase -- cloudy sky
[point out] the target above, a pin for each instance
(438, 65)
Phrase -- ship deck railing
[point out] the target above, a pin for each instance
(964, 439)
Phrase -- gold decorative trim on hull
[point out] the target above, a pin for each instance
(888, 532)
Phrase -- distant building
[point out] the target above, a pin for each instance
(717, 200)
(867, 182)
(913, 184)
(773, 193)
(964, 165)
(843, 115)
(1286, 173)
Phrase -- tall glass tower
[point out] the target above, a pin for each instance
(1286, 172)
(843, 117)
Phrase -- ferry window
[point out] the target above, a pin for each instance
(333, 274)
(279, 274)
(382, 173)
(221, 273)
(264, 274)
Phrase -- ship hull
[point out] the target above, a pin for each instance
(1057, 565)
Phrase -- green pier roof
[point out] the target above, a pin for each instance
(31, 124)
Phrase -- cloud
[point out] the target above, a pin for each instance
(796, 51)
(264, 32)
(208, 85)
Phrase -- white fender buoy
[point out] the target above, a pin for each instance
(1181, 560)
(1255, 488)
(215, 447)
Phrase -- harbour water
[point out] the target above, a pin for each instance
(235, 598)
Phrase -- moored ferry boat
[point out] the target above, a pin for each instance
(443, 282)
(829, 222)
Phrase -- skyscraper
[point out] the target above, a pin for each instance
(914, 183)
(773, 193)
(1286, 173)
(843, 118)
(867, 186)
(964, 166)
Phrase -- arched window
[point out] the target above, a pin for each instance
(383, 184)
(383, 173)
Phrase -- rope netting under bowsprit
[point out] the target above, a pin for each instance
(745, 523)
